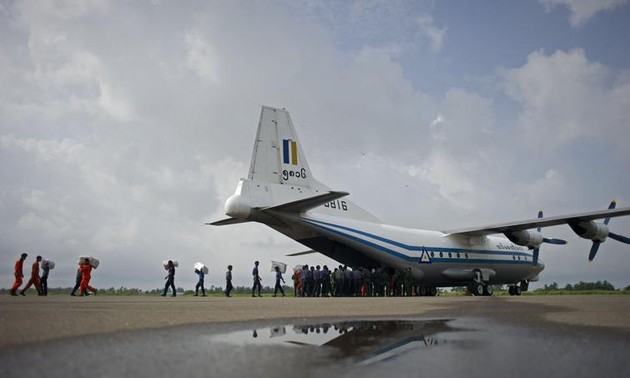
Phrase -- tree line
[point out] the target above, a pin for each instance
(582, 286)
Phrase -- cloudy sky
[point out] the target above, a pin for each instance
(124, 125)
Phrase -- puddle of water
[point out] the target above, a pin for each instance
(365, 342)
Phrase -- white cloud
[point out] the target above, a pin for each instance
(201, 58)
(583, 10)
(67, 149)
(565, 97)
(433, 33)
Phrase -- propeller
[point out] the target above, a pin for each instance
(612, 235)
(545, 240)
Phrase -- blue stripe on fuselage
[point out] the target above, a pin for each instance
(326, 226)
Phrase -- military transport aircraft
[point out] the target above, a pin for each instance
(281, 192)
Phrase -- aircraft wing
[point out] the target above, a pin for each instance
(539, 222)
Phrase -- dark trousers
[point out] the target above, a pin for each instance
(76, 285)
(257, 285)
(200, 285)
(278, 287)
(228, 288)
(169, 283)
(44, 283)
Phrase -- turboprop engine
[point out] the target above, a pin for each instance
(528, 238)
(597, 232)
(532, 239)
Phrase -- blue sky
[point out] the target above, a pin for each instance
(124, 126)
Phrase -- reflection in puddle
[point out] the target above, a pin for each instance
(365, 342)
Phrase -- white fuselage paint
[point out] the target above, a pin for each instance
(436, 259)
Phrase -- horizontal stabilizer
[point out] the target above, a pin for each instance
(224, 222)
(306, 204)
(302, 253)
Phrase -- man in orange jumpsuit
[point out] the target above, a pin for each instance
(19, 274)
(34, 278)
(86, 275)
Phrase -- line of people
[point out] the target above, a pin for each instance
(316, 281)
(40, 283)
(170, 266)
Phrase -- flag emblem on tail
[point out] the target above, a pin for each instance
(289, 151)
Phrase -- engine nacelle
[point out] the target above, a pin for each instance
(528, 238)
(594, 231)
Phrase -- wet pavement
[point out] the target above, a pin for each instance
(401, 347)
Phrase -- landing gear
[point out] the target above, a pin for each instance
(517, 288)
(480, 288)
(514, 290)
(488, 290)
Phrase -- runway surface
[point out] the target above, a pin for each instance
(232, 337)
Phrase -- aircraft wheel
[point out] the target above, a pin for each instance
(423, 291)
(477, 289)
(432, 291)
(488, 290)
(511, 290)
(517, 290)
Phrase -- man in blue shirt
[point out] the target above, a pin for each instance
(200, 284)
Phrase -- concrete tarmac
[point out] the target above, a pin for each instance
(574, 330)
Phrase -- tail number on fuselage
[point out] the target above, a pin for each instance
(341, 205)
(287, 173)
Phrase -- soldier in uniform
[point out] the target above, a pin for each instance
(86, 276)
(19, 274)
(34, 277)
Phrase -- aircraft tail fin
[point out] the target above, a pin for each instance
(278, 156)
(280, 179)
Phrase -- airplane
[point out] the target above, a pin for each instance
(282, 193)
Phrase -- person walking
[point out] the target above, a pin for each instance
(228, 281)
(86, 276)
(78, 281)
(19, 274)
(34, 278)
(44, 278)
(278, 279)
(200, 283)
(257, 280)
(170, 279)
